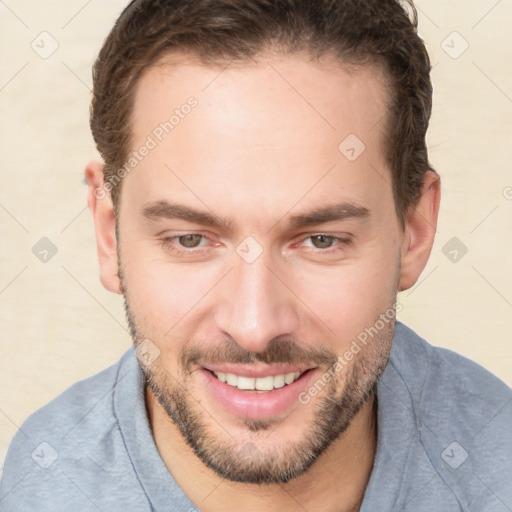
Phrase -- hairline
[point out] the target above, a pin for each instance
(178, 56)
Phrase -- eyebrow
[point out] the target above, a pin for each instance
(329, 213)
(165, 210)
(333, 212)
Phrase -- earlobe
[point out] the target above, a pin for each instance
(420, 229)
(101, 207)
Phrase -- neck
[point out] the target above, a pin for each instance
(337, 479)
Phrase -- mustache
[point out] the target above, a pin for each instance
(278, 350)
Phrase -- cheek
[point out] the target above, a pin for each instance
(164, 297)
(350, 297)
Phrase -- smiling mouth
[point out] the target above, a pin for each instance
(256, 392)
(258, 384)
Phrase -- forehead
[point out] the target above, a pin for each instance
(325, 91)
(272, 125)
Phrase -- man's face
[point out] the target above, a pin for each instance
(270, 289)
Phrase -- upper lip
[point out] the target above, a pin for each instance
(257, 371)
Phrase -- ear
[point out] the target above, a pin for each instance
(420, 229)
(102, 211)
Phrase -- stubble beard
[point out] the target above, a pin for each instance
(253, 460)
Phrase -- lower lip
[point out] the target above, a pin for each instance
(257, 405)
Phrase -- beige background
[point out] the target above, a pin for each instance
(59, 325)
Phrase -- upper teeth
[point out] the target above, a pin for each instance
(260, 383)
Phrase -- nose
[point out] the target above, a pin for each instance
(255, 305)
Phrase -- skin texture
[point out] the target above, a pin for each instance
(262, 145)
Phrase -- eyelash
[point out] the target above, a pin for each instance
(167, 241)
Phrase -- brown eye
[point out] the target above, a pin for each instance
(322, 241)
(191, 240)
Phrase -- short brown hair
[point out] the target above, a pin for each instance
(360, 32)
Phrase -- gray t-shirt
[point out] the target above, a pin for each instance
(444, 442)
